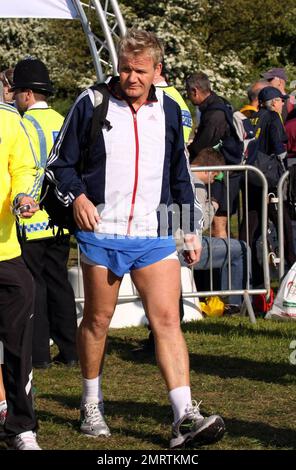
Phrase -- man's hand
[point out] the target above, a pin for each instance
(215, 205)
(85, 214)
(192, 249)
(27, 206)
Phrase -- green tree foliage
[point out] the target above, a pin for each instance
(231, 40)
(255, 30)
(182, 26)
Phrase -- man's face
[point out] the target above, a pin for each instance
(278, 83)
(21, 100)
(137, 73)
(278, 104)
(194, 96)
(258, 87)
(8, 95)
(207, 177)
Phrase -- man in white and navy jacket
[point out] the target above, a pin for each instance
(135, 173)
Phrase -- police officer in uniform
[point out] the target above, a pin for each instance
(45, 254)
(19, 190)
(162, 82)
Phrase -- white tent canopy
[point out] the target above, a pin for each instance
(38, 9)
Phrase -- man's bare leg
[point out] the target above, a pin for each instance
(3, 404)
(101, 289)
(159, 287)
(2, 389)
(219, 226)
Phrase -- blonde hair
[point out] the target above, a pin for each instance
(137, 41)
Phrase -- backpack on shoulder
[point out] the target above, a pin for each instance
(242, 147)
(230, 146)
(247, 135)
(61, 215)
(270, 165)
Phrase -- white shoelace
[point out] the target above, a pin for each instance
(93, 413)
(192, 411)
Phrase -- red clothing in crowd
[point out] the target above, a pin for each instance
(291, 133)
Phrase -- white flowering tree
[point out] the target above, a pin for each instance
(61, 44)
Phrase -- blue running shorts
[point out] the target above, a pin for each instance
(123, 254)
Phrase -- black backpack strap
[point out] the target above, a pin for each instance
(101, 103)
(60, 215)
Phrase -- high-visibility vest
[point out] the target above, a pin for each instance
(43, 125)
(18, 175)
(186, 115)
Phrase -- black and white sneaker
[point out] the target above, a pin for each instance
(24, 441)
(194, 428)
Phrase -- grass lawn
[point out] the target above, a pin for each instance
(239, 370)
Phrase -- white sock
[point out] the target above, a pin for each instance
(3, 405)
(90, 390)
(180, 398)
(100, 393)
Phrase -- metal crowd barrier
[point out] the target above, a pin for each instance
(248, 291)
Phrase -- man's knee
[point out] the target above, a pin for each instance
(98, 322)
(167, 320)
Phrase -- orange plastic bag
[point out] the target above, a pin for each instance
(213, 306)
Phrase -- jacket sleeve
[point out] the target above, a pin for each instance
(25, 178)
(206, 204)
(182, 186)
(65, 158)
(212, 128)
(277, 135)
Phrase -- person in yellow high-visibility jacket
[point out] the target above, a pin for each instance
(45, 254)
(19, 183)
(162, 82)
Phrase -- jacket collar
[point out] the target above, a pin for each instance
(38, 105)
(209, 100)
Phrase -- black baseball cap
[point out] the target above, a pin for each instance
(269, 93)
